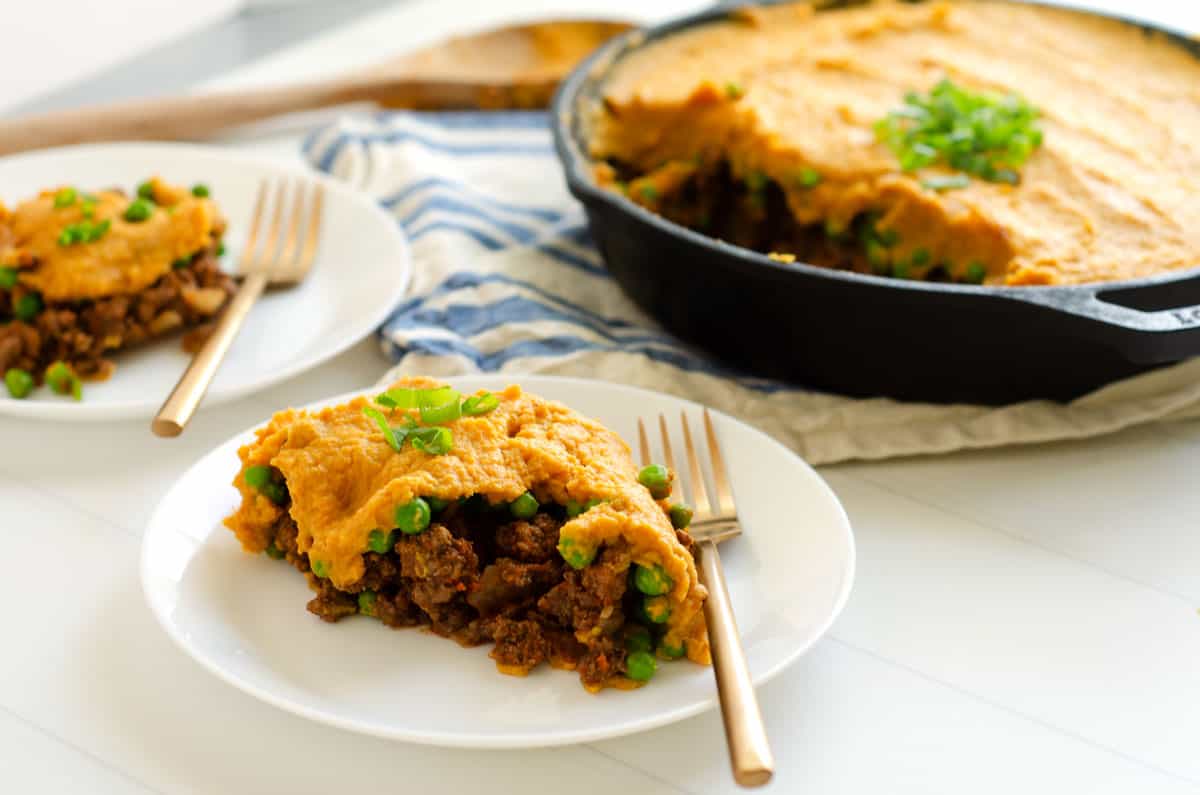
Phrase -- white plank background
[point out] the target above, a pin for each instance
(1024, 620)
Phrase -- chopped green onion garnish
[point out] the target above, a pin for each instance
(200, 190)
(19, 382)
(943, 182)
(399, 398)
(27, 306)
(439, 406)
(389, 433)
(8, 278)
(434, 441)
(480, 404)
(88, 208)
(65, 197)
(809, 178)
(983, 134)
(93, 232)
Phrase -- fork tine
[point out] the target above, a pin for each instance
(720, 477)
(643, 443)
(702, 507)
(668, 456)
(309, 252)
(287, 252)
(246, 264)
(270, 253)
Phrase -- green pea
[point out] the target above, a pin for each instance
(320, 568)
(657, 478)
(734, 90)
(437, 504)
(976, 272)
(809, 178)
(640, 666)
(381, 542)
(146, 190)
(8, 278)
(138, 210)
(574, 508)
(65, 198)
(638, 638)
(221, 249)
(888, 237)
(901, 270)
(268, 482)
(671, 652)
(920, 257)
(19, 383)
(524, 507)
(200, 190)
(877, 255)
(649, 192)
(656, 609)
(181, 263)
(273, 551)
(366, 603)
(28, 306)
(576, 555)
(413, 517)
(681, 516)
(651, 580)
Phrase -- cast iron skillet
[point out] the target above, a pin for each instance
(866, 335)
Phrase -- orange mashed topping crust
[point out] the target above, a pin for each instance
(126, 260)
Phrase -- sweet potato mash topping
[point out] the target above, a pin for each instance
(788, 98)
(346, 481)
(126, 258)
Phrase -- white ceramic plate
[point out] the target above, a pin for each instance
(361, 273)
(243, 616)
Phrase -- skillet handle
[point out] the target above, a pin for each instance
(1165, 312)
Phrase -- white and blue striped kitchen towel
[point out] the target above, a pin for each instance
(506, 280)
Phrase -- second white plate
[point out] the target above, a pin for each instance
(243, 616)
(361, 273)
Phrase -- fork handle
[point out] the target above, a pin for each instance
(187, 394)
(749, 752)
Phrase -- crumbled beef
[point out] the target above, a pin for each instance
(535, 540)
(509, 585)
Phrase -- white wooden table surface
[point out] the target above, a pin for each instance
(1024, 620)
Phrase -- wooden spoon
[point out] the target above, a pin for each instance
(510, 67)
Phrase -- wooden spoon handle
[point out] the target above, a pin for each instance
(201, 115)
(749, 751)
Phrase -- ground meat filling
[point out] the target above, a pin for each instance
(83, 333)
(478, 576)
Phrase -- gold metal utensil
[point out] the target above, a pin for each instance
(749, 750)
(284, 259)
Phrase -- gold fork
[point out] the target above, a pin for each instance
(285, 258)
(749, 751)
